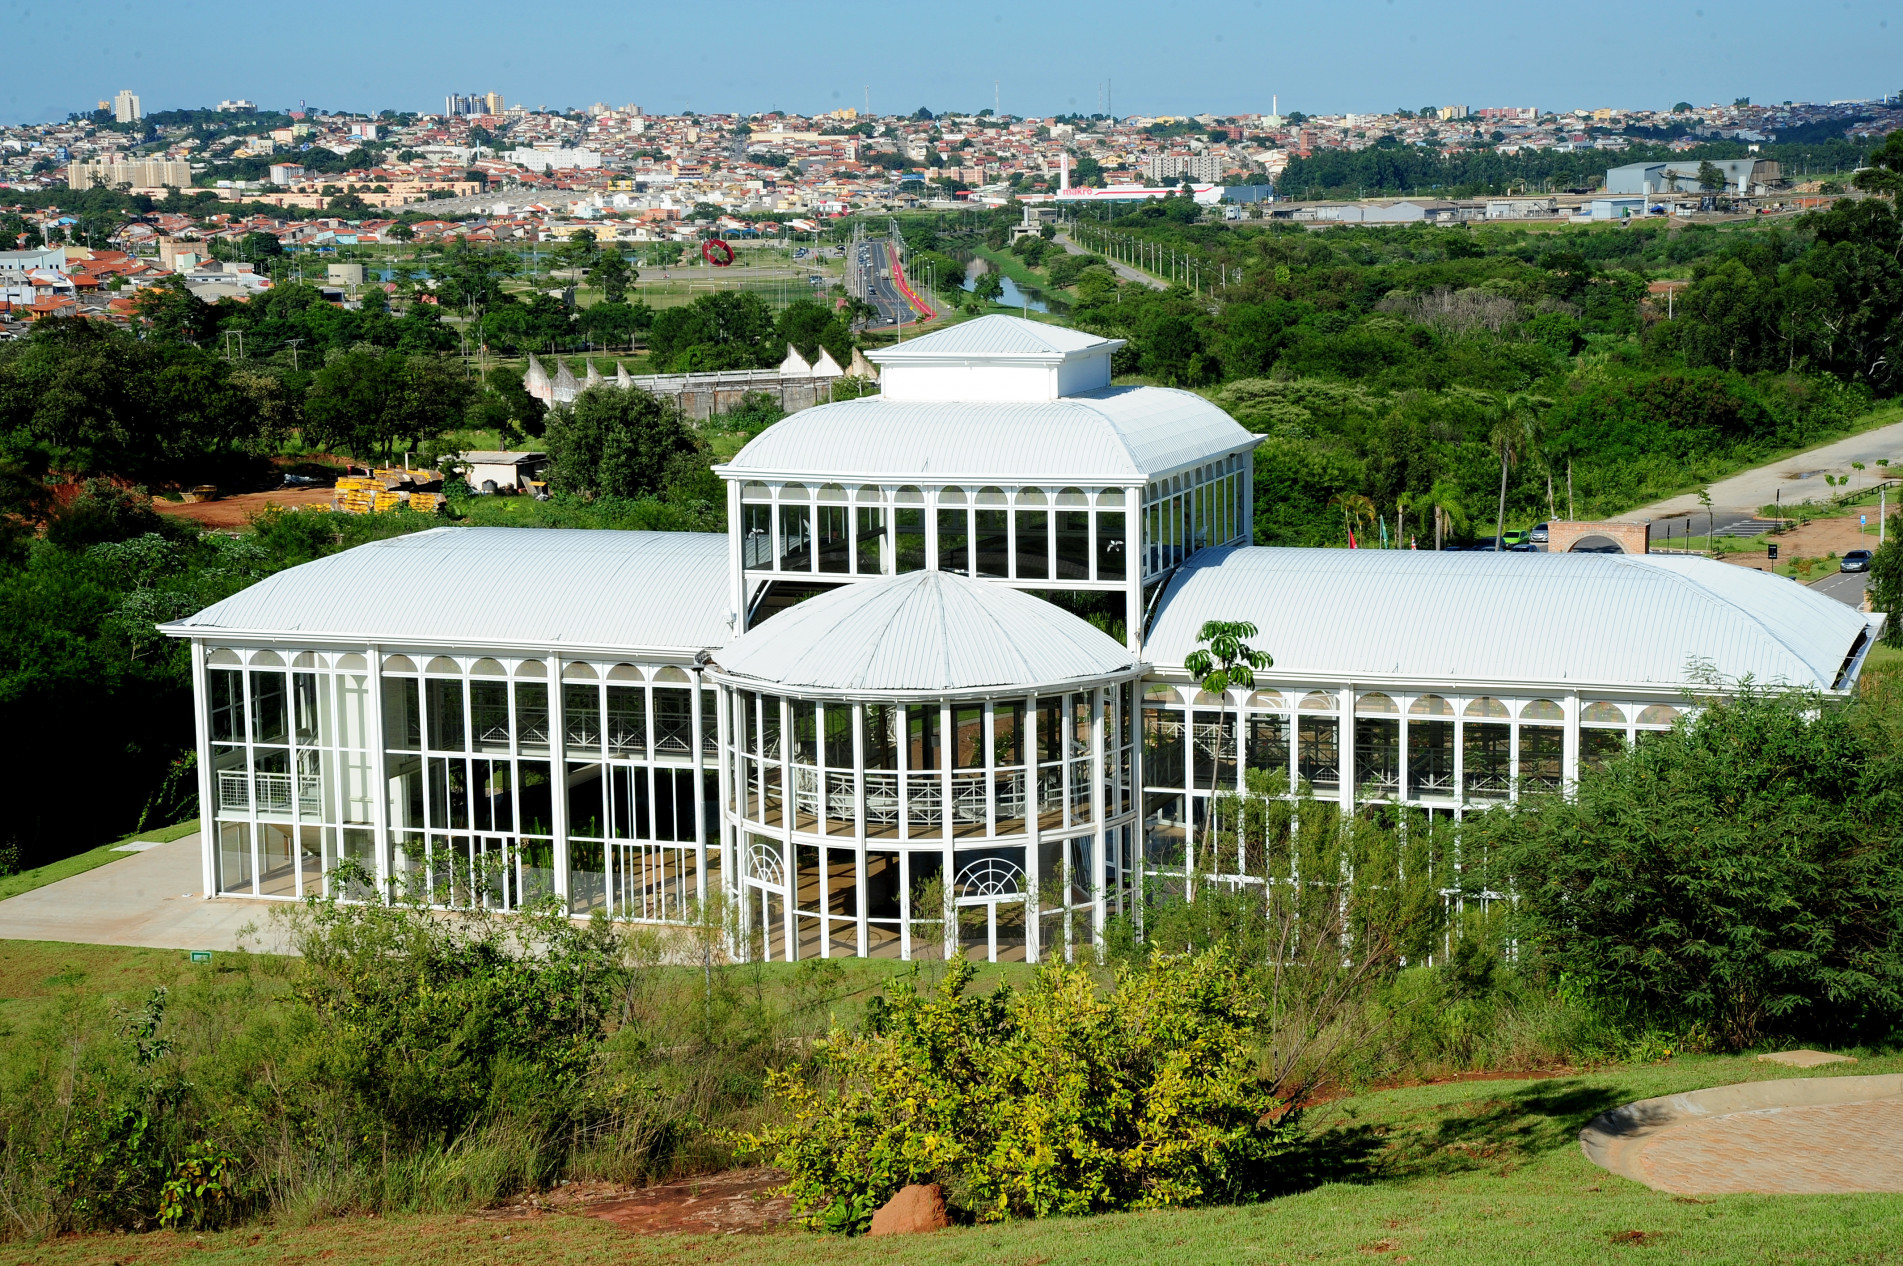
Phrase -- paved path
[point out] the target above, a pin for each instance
(151, 898)
(1122, 270)
(1799, 477)
(1783, 1136)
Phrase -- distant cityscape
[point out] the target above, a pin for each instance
(488, 170)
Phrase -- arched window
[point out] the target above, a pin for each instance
(444, 666)
(1319, 701)
(1430, 706)
(1601, 714)
(531, 668)
(624, 672)
(1268, 701)
(266, 659)
(1374, 703)
(398, 664)
(486, 668)
(1486, 707)
(577, 672)
(1542, 710)
(1661, 714)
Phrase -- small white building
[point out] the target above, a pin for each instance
(493, 470)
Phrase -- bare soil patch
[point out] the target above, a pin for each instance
(735, 1202)
(237, 510)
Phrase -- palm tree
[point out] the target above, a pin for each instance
(1224, 660)
(1444, 498)
(1356, 510)
(1516, 430)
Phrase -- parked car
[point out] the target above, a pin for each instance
(1855, 560)
(1512, 537)
(1539, 535)
(1524, 547)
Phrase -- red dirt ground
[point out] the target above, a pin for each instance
(736, 1202)
(235, 511)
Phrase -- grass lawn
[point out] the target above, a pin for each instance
(1476, 1171)
(80, 863)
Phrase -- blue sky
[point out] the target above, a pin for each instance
(1164, 56)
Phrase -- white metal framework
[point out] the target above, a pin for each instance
(928, 757)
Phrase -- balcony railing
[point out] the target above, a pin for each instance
(273, 792)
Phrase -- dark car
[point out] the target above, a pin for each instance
(1855, 560)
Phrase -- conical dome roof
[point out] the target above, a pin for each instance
(928, 632)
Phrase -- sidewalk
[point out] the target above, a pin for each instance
(1122, 270)
(150, 898)
(1799, 477)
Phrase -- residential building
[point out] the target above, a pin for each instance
(140, 173)
(125, 107)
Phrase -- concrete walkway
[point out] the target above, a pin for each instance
(1122, 270)
(1799, 477)
(1791, 1136)
(150, 898)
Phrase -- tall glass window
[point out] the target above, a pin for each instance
(992, 534)
(908, 531)
(1073, 537)
(954, 540)
(834, 537)
(869, 535)
(1033, 526)
(796, 531)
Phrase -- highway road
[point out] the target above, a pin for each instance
(881, 273)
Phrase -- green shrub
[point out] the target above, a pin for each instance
(1059, 1099)
(1734, 880)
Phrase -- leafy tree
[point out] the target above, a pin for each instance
(612, 274)
(616, 443)
(729, 329)
(1886, 580)
(1711, 177)
(373, 403)
(1884, 173)
(989, 287)
(171, 311)
(1732, 880)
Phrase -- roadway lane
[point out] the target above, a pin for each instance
(883, 292)
(1846, 587)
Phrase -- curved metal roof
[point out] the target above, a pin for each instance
(1111, 435)
(1592, 619)
(546, 588)
(927, 632)
(995, 335)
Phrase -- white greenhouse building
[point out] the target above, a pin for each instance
(890, 685)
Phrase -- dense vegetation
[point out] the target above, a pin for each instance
(1405, 365)
(1731, 884)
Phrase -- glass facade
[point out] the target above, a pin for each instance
(1067, 536)
(1440, 753)
(462, 780)
(1004, 826)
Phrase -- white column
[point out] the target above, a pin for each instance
(945, 799)
(1569, 764)
(380, 773)
(1345, 746)
(859, 820)
(1098, 866)
(736, 558)
(1033, 837)
(207, 805)
(789, 872)
(723, 767)
(558, 756)
(696, 719)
